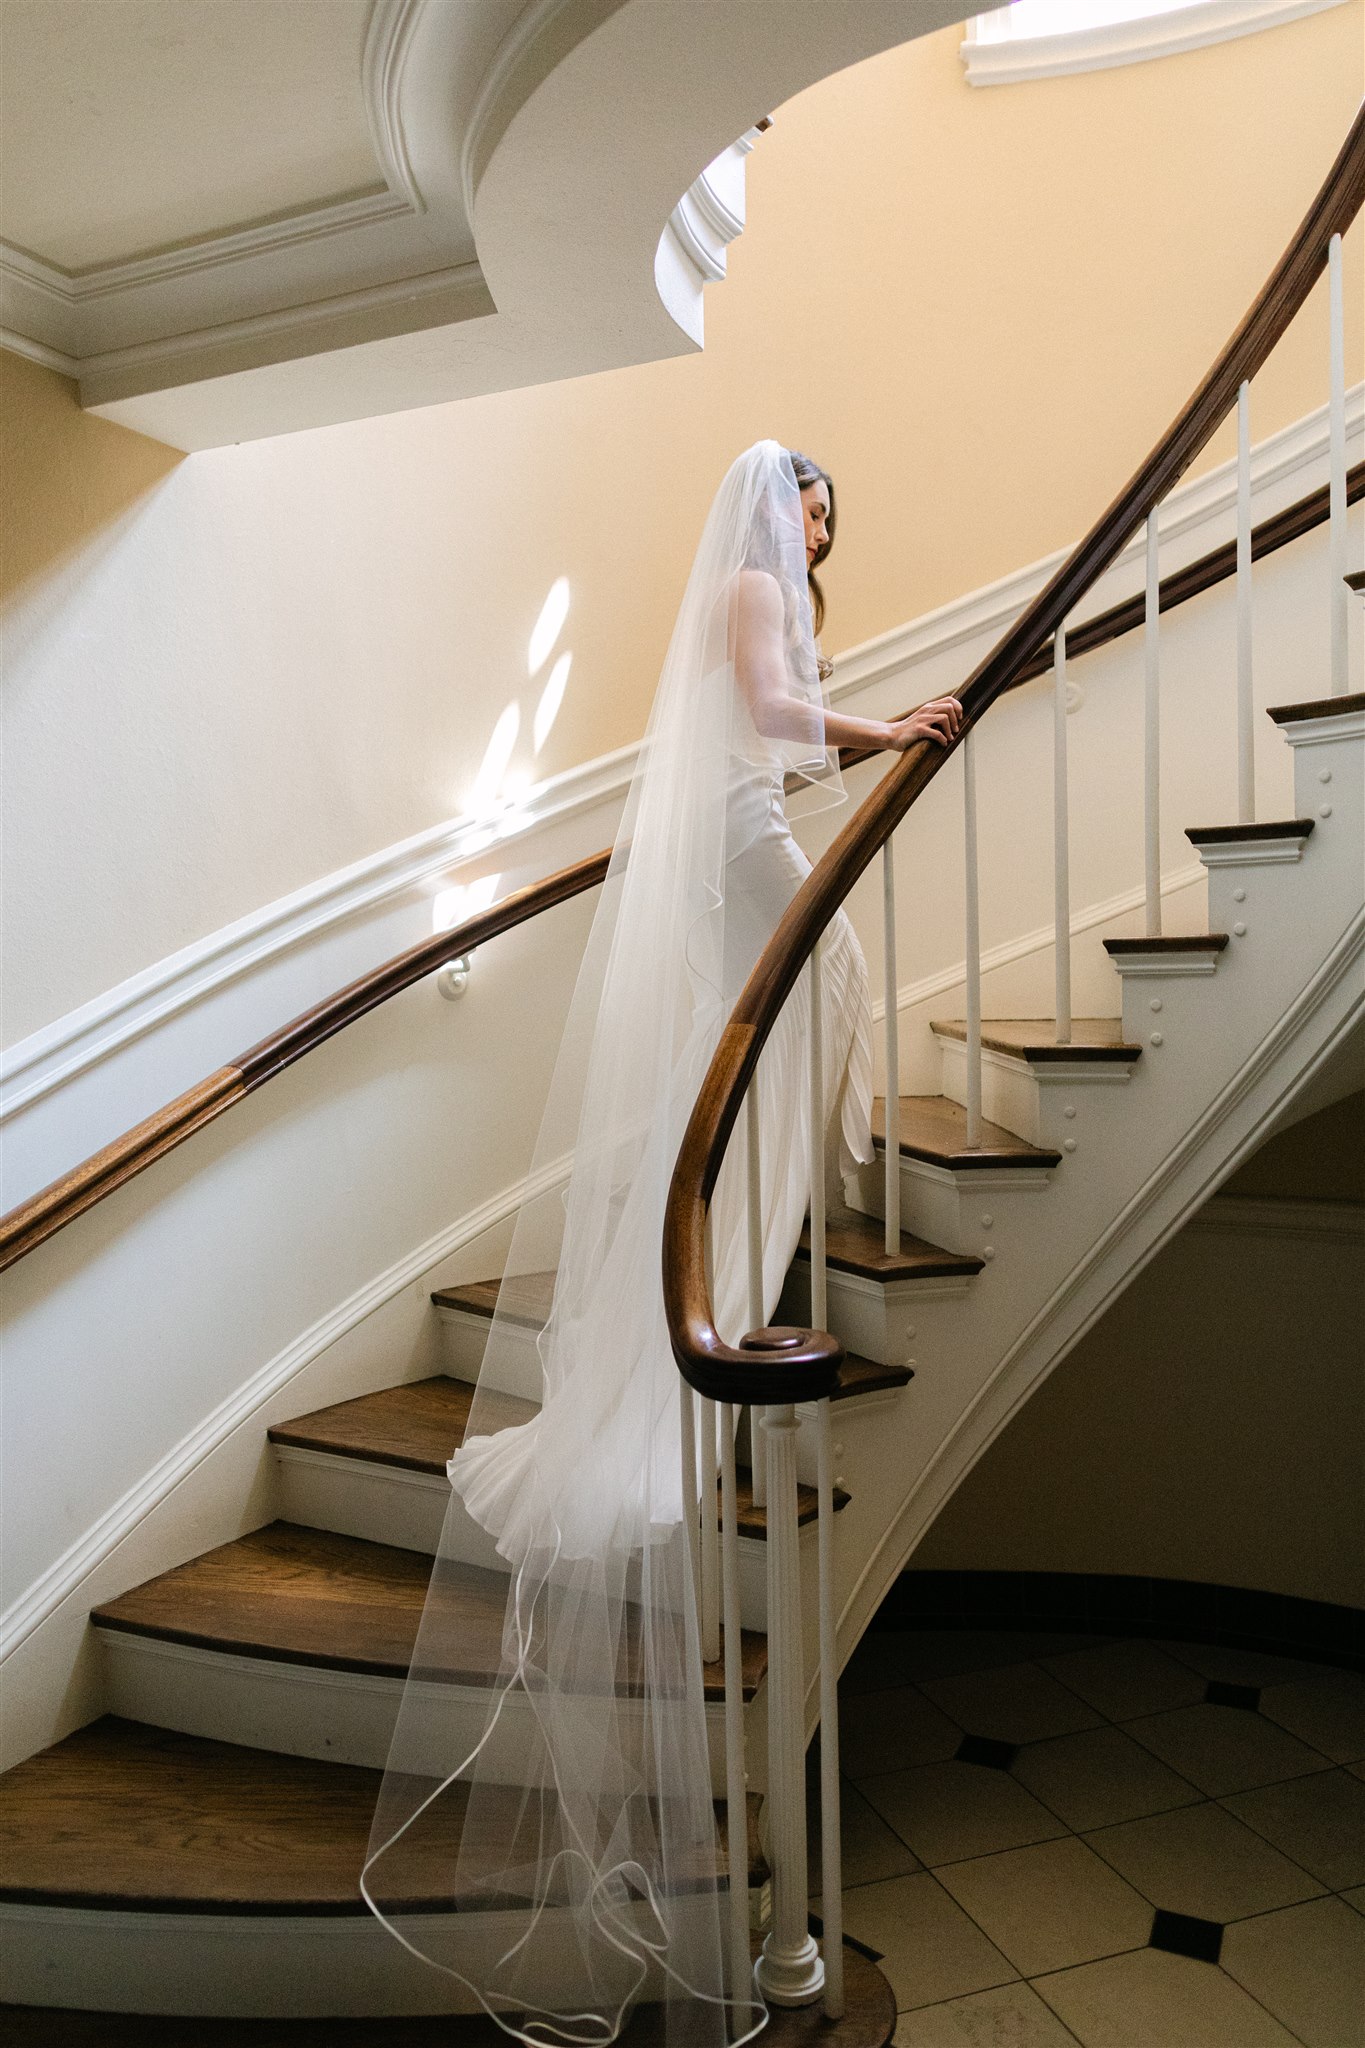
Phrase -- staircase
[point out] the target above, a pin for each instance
(196, 1851)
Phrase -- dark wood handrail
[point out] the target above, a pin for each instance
(51, 1210)
(34, 1221)
(794, 1365)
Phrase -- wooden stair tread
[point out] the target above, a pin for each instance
(528, 1298)
(1222, 835)
(310, 1596)
(934, 1129)
(416, 1425)
(127, 1817)
(752, 1521)
(1321, 707)
(855, 1243)
(1093, 1039)
(1185, 942)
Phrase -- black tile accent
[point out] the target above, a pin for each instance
(817, 1928)
(1219, 1693)
(1098, 1603)
(1181, 1934)
(982, 1749)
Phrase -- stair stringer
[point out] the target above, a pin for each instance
(1233, 1052)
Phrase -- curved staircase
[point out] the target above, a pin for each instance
(197, 1850)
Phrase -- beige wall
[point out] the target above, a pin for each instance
(1158, 1448)
(230, 675)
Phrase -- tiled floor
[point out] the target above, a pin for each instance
(1053, 1840)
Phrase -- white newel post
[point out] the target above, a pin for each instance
(790, 1970)
(1246, 734)
(973, 942)
(891, 1025)
(1061, 843)
(1336, 490)
(1151, 765)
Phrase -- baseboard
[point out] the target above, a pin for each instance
(1110, 1604)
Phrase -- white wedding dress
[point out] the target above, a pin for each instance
(583, 1871)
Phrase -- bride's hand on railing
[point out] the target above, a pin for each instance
(938, 720)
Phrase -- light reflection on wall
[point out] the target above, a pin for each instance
(450, 907)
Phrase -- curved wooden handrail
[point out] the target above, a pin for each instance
(34, 1221)
(794, 1365)
(28, 1226)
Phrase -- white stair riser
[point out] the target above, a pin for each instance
(941, 1204)
(878, 1322)
(465, 1339)
(344, 1717)
(258, 1966)
(1019, 1094)
(386, 1504)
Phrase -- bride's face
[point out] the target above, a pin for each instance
(815, 510)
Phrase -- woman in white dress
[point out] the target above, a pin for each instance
(557, 1781)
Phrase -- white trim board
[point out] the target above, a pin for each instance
(46, 1060)
(1101, 46)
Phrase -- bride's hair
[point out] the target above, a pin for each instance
(808, 473)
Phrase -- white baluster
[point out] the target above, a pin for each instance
(1151, 807)
(819, 1292)
(790, 1970)
(1336, 489)
(1246, 732)
(757, 1317)
(736, 1778)
(891, 1022)
(831, 1856)
(973, 943)
(687, 1438)
(710, 1533)
(1061, 843)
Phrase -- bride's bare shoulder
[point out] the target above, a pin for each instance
(758, 595)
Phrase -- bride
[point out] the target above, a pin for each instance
(546, 1835)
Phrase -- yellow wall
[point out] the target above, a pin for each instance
(978, 307)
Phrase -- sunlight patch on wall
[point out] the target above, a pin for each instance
(450, 907)
(551, 697)
(549, 625)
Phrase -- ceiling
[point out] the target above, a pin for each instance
(233, 218)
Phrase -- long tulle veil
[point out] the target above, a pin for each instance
(546, 1832)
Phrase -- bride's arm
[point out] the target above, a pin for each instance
(761, 671)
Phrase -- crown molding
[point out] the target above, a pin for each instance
(388, 42)
(1013, 60)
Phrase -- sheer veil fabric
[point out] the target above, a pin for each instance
(546, 1833)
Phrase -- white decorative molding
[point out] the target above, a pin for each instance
(68, 1047)
(388, 40)
(1324, 729)
(46, 1594)
(78, 1041)
(1010, 58)
(1252, 852)
(692, 249)
(1283, 1216)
